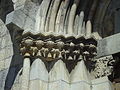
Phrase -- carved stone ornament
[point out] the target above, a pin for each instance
(58, 47)
(103, 66)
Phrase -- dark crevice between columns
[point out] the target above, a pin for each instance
(98, 24)
(115, 76)
(85, 5)
(6, 6)
(17, 59)
(93, 10)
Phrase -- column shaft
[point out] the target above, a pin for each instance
(25, 74)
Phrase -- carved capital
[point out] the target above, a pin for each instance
(27, 47)
(58, 47)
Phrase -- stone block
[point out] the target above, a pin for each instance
(27, 7)
(29, 25)
(80, 77)
(38, 71)
(6, 52)
(109, 45)
(3, 30)
(30, 9)
(33, 11)
(101, 84)
(80, 73)
(16, 17)
(81, 86)
(59, 85)
(6, 41)
(38, 85)
(59, 72)
(18, 4)
(5, 63)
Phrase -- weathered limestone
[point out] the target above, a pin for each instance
(7, 62)
(30, 9)
(18, 4)
(3, 30)
(6, 53)
(25, 74)
(53, 15)
(38, 76)
(3, 74)
(80, 73)
(59, 77)
(6, 41)
(38, 73)
(80, 24)
(29, 25)
(45, 8)
(108, 45)
(63, 15)
(38, 21)
(102, 84)
(71, 19)
(41, 16)
(24, 17)
(76, 24)
(17, 82)
(16, 17)
(83, 32)
(88, 29)
(66, 22)
(96, 35)
(62, 73)
(58, 19)
(80, 78)
(48, 17)
(1, 65)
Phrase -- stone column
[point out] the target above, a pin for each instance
(27, 50)
(25, 74)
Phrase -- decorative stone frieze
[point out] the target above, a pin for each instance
(58, 47)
